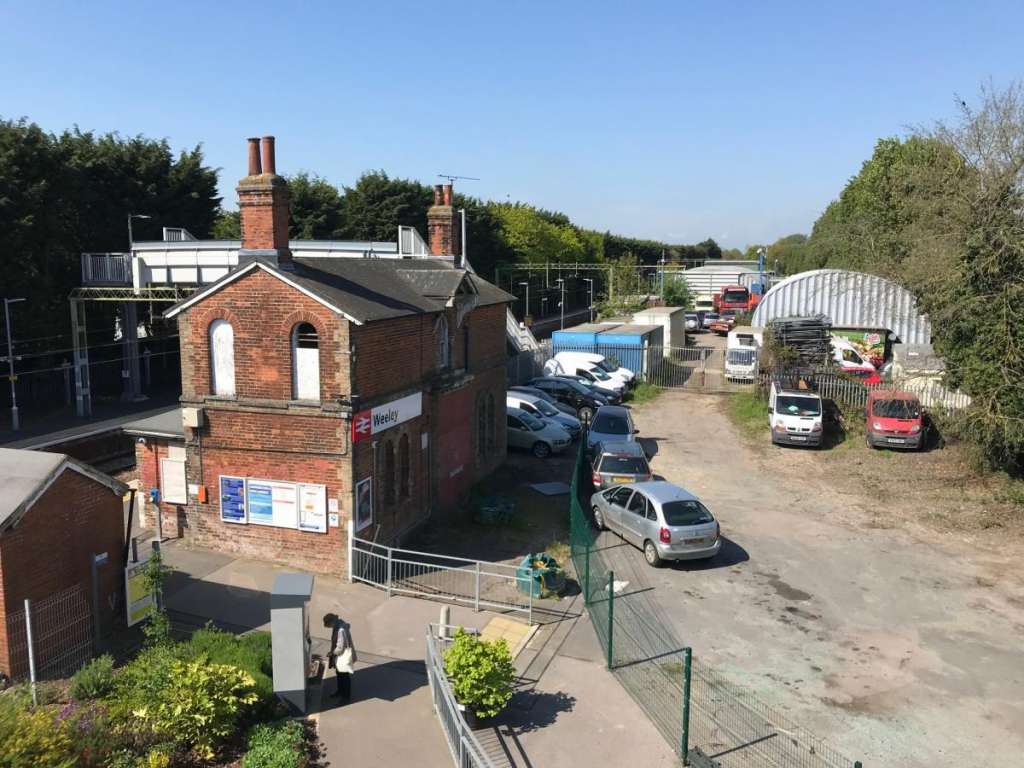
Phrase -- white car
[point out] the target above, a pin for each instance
(600, 361)
(599, 379)
(530, 433)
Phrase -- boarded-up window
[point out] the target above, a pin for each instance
(305, 362)
(172, 482)
(444, 349)
(222, 358)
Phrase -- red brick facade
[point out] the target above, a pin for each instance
(51, 548)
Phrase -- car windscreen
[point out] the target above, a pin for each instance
(625, 465)
(740, 356)
(710, 315)
(735, 296)
(545, 407)
(600, 375)
(896, 409)
(531, 421)
(685, 513)
(610, 424)
(604, 365)
(795, 405)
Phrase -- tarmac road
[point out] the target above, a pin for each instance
(896, 650)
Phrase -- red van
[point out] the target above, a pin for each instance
(894, 420)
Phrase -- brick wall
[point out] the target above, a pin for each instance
(52, 547)
(147, 465)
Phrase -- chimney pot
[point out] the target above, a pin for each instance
(447, 194)
(269, 160)
(254, 157)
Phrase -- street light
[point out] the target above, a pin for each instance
(588, 280)
(526, 314)
(15, 424)
(131, 216)
(662, 262)
(561, 299)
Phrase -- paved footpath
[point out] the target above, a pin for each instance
(567, 710)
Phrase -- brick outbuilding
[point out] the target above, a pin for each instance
(321, 390)
(57, 516)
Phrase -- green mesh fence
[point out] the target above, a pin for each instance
(728, 726)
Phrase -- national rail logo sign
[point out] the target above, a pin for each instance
(374, 420)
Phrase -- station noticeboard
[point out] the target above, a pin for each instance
(275, 503)
(232, 499)
(138, 599)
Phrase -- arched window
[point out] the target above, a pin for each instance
(222, 358)
(404, 486)
(490, 423)
(444, 350)
(305, 362)
(481, 427)
(389, 472)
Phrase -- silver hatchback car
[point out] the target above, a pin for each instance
(667, 522)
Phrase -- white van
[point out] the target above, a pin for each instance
(591, 366)
(743, 353)
(849, 360)
(795, 416)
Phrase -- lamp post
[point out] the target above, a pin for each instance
(15, 424)
(543, 306)
(662, 262)
(589, 280)
(526, 314)
(561, 300)
(131, 216)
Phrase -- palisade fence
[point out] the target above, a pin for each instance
(62, 635)
(707, 720)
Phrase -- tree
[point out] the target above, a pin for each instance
(317, 210)
(377, 204)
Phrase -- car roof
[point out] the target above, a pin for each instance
(614, 410)
(620, 447)
(663, 491)
(526, 397)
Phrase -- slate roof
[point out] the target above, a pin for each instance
(372, 289)
(166, 424)
(24, 475)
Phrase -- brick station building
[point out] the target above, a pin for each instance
(316, 391)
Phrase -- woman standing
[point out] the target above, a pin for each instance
(343, 655)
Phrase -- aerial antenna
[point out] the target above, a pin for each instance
(452, 179)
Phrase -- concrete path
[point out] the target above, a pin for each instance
(566, 706)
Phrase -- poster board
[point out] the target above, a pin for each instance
(313, 508)
(364, 503)
(173, 488)
(139, 603)
(273, 503)
(232, 500)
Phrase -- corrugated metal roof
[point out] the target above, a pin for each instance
(849, 300)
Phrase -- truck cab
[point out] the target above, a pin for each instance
(743, 353)
(795, 415)
(735, 297)
(894, 419)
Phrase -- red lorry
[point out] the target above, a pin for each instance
(735, 297)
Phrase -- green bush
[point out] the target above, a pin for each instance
(278, 745)
(200, 705)
(481, 673)
(95, 680)
(32, 737)
(250, 653)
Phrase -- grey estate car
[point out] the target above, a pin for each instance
(667, 522)
(618, 464)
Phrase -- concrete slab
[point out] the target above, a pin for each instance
(516, 634)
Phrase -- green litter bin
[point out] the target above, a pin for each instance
(539, 575)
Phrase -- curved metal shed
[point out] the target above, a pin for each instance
(849, 300)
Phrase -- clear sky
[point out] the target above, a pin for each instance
(669, 120)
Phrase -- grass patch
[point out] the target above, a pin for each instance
(644, 393)
(749, 413)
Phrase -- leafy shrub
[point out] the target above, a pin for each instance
(250, 653)
(200, 705)
(93, 681)
(32, 737)
(278, 745)
(481, 672)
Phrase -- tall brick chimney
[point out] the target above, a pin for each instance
(443, 228)
(263, 202)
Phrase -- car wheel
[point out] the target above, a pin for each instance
(651, 554)
(598, 518)
(541, 450)
(585, 414)
(867, 441)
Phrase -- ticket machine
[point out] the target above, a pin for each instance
(290, 638)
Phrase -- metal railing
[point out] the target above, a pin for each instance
(476, 583)
(411, 244)
(106, 269)
(462, 742)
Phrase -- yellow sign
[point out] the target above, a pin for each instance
(139, 601)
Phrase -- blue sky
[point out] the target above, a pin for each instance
(675, 120)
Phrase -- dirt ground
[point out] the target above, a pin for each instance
(893, 628)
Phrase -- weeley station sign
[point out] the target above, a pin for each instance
(373, 420)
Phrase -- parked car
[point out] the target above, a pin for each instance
(568, 359)
(667, 522)
(895, 420)
(611, 424)
(589, 372)
(619, 463)
(571, 393)
(542, 409)
(610, 396)
(795, 416)
(530, 433)
(692, 321)
(708, 319)
(566, 409)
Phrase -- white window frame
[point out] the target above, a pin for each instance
(222, 358)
